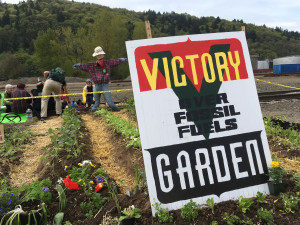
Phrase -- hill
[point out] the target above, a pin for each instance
(38, 35)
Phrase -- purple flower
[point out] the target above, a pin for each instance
(45, 189)
(100, 179)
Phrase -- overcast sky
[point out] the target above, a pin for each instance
(272, 13)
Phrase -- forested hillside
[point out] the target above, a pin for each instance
(37, 35)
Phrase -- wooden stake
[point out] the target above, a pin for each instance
(1, 133)
(148, 29)
(243, 28)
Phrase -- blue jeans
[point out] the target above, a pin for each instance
(107, 96)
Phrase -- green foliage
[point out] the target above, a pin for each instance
(289, 137)
(296, 178)
(163, 215)
(290, 202)
(266, 216)
(210, 203)
(189, 211)
(231, 219)
(66, 32)
(14, 139)
(260, 198)
(245, 203)
(38, 190)
(130, 212)
(113, 191)
(66, 137)
(125, 128)
(62, 198)
(93, 205)
(81, 174)
(130, 107)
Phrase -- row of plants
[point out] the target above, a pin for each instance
(14, 141)
(67, 137)
(126, 128)
(190, 211)
(289, 137)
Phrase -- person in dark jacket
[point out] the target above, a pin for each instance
(21, 105)
(36, 106)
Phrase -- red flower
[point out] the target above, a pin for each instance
(99, 187)
(71, 185)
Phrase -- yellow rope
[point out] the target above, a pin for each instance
(278, 84)
(47, 96)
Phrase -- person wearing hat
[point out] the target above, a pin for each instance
(87, 98)
(7, 94)
(100, 74)
(21, 105)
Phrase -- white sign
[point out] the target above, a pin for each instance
(199, 118)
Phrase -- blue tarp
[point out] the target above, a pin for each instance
(286, 68)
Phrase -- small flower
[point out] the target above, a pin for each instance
(60, 180)
(66, 167)
(92, 182)
(79, 164)
(45, 189)
(86, 162)
(92, 165)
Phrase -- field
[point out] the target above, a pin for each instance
(116, 157)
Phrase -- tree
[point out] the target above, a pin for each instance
(139, 31)
(10, 67)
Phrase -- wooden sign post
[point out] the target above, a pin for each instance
(243, 28)
(148, 29)
(1, 133)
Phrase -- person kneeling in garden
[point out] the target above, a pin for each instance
(100, 74)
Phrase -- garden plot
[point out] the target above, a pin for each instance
(92, 137)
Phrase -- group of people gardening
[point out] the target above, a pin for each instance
(55, 83)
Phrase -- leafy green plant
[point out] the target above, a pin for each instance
(38, 190)
(93, 205)
(260, 198)
(130, 212)
(14, 139)
(290, 202)
(289, 137)
(123, 127)
(163, 215)
(245, 203)
(214, 223)
(210, 203)
(231, 219)
(66, 137)
(189, 211)
(266, 216)
(130, 107)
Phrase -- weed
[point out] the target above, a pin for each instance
(266, 216)
(163, 215)
(189, 211)
(245, 203)
(210, 203)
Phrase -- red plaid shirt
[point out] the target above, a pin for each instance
(100, 74)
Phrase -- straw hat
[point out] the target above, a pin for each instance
(98, 51)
